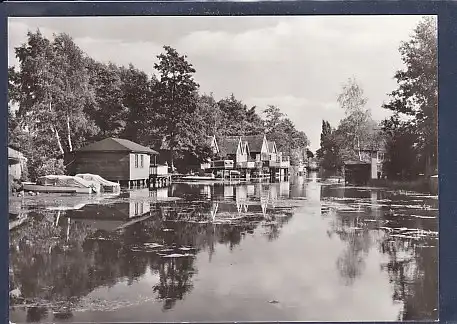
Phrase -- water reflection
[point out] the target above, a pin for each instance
(400, 226)
(139, 247)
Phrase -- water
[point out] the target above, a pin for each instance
(300, 250)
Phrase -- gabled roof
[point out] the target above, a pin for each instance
(271, 146)
(246, 147)
(212, 142)
(255, 142)
(112, 144)
(228, 144)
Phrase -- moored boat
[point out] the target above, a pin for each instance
(105, 185)
(62, 184)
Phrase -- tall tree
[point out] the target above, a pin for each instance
(211, 115)
(401, 160)
(273, 117)
(417, 94)
(109, 113)
(71, 88)
(329, 151)
(234, 114)
(142, 121)
(177, 97)
(353, 101)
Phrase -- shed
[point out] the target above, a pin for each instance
(16, 163)
(115, 159)
(357, 172)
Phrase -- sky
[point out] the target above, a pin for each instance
(298, 63)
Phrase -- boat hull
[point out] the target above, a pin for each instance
(56, 189)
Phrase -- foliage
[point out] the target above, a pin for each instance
(66, 100)
(329, 151)
(288, 139)
(416, 97)
(401, 159)
(177, 97)
(354, 129)
(356, 132)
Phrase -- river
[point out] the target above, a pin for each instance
(301, 250)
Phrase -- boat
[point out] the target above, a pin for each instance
(105, 185)
(62, 184)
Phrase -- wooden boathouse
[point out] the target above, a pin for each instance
(247, 157)
(120, 160)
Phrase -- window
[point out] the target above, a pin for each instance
(142, 160)
(136, 160)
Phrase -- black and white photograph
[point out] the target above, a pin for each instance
(223, 168)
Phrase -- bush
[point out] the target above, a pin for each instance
(50, 166)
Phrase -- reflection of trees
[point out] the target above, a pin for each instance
(175, 280)
(58, 263)
(412, 262)
(46, 264)
(350, 229)
(414, 277)
(36, 314)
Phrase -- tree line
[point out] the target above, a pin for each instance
(409, 136)
(65, 99)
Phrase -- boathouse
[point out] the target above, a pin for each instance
(357, 172)
(251, 155)
(116, 159)
(16, 163)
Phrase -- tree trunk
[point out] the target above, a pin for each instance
(54, 130)
(69, 134)
(358, 149)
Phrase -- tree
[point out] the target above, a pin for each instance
(109, 112)
(353, 101)
(416, 97)
(142, 115)
(72, 92)
(177, 99)
(273, 118)
(52, 89)
(237, 118)
(401, 160)
(329, 151)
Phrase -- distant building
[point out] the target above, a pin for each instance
(116, 159)
(357, 172)
(375, 156)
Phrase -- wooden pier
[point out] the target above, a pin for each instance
(159, 176)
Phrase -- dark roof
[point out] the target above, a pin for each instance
(255, 142)
(116, 145)
(228, 144)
